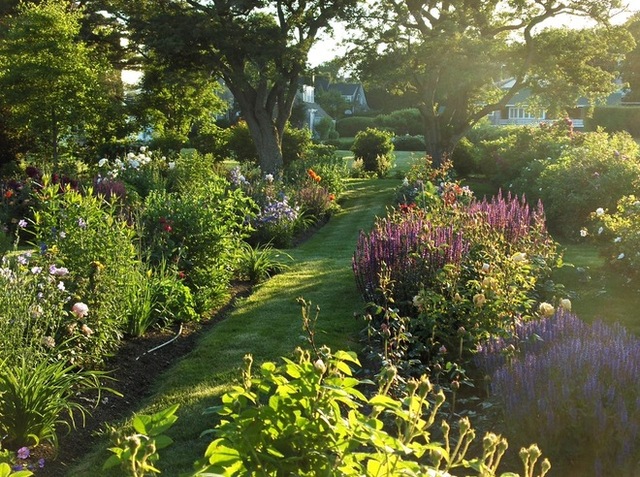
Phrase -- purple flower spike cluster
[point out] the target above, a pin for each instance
(573, 388)
(412, 250)
(511, 216)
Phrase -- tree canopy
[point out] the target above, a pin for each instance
(448, 57)
(53, 87)
(258, 47)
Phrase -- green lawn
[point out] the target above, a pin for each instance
(598, 293)
(267, 325)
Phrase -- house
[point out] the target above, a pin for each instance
(314, 112)
(516, 111)
(353, 94)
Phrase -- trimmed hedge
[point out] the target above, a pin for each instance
(615, 118)
(349, 127)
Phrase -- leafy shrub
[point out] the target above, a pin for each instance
(615, 119)
(375, 148)
(618, 235)
(86, 236)
(464, 158)
(296, 144)
(573, 388)
(404, 122)
(505, 157)
(409, 143)
(239, 143)
(350, 127)
(305, 417)
(596, 174)
(198, 231)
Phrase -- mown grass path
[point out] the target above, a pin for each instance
(267, 325)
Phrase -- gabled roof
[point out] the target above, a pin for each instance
(345, 89)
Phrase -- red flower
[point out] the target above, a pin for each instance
(8, 194)
(332, 197)
(167, 228)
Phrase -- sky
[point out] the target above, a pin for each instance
(328, 48)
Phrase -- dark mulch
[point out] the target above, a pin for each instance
(135, 369)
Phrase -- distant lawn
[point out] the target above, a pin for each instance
(404, 159)
(597, 292)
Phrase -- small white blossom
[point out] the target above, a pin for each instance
(621, 256)
(600, 230)
(617, 240)
(583, 232)
(102, 162)
(599, 211)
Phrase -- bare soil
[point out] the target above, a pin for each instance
(135, 368)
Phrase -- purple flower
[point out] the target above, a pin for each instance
(22, 223)
(41, 463)
(81, 223)
(23, 453)
(58, 271)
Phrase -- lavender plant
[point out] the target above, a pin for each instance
(411, 248)
(573, 388)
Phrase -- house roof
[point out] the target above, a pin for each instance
(345, 89)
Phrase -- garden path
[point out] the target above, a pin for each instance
(267, 324)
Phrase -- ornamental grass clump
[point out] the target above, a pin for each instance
(572, 387)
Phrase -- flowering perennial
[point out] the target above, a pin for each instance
(572, 386)
(412, 249)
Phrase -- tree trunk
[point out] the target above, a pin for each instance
(268, 143)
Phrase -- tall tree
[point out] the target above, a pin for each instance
(174, 102)
(53, 86)
(447, 57)
(258, 47)
(631, 65)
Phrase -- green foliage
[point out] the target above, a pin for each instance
(5, 471)
(615, 119)
(404, 122)
(137, 451)
(375, 148)
(617, 233)
(349, 127)
(240, 144)
(465, 158)
(307, 417)
(256, 264)
(172, 102)
(54, 85)
(37, 396)
(296, 144)
(409, 143)
(199, 231)
(504, 158)
(87, 237)
(595, 174)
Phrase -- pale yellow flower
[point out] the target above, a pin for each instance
(546, 309)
